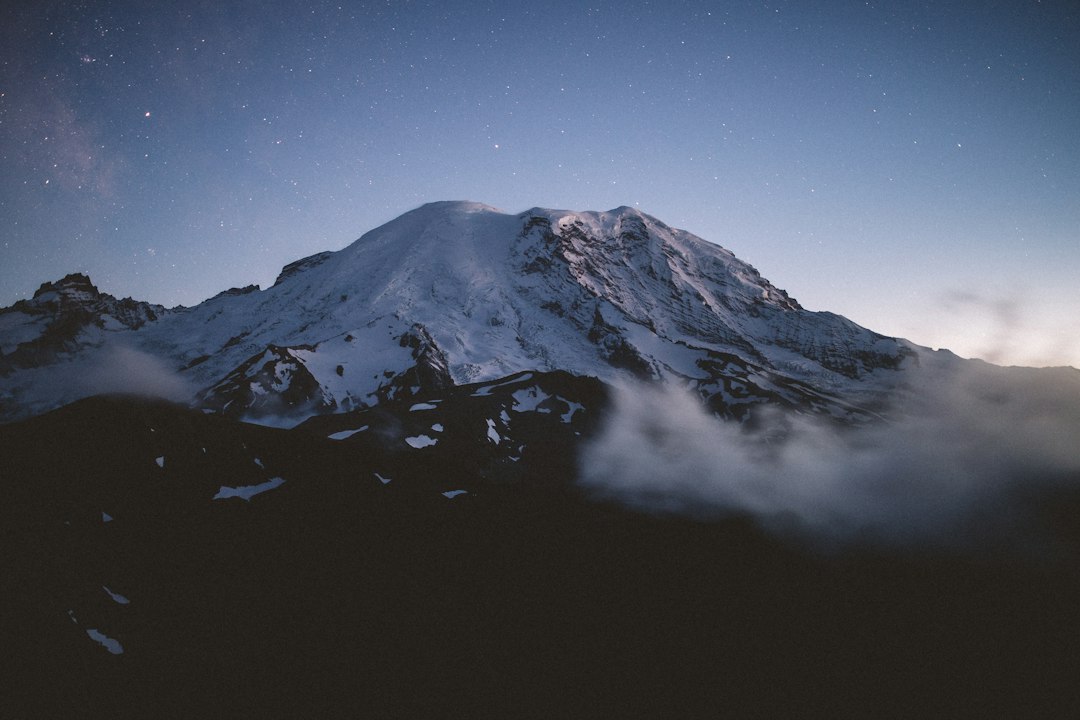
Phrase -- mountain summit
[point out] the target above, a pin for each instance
(459, 292)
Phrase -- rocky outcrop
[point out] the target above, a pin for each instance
(62, 317)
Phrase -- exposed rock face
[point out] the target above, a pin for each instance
(236, 291)
(431, 372)
(272, 383)
(298, 266)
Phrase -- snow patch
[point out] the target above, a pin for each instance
(246, 492)
(362, 374)
(492, 433)
(568, 416)
(529, 399)
(422, 406)
(107, 642)
(421, 441)
(105, 517)
(455, 493)
(160, 461)
(347, 433)
(383, 480)
(116, 596)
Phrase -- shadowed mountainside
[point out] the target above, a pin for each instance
(363, 584)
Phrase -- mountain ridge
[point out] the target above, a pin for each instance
(608, 294)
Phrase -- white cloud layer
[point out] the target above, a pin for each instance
(958, 457)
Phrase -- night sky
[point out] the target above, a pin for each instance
(915, 167)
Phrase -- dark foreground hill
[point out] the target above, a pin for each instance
(160, 562)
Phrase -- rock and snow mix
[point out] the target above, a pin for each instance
(529, 399)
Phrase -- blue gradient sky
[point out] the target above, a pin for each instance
(913, 167)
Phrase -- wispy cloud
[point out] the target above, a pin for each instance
(1012, 329)
(123, 369)
(114, 368)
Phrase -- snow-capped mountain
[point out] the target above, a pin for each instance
(458, 292)
(471, 516)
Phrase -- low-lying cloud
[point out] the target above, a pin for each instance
(958, 457)
(114, 368)
(122, 369)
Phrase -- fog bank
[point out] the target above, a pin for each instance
(958, 455)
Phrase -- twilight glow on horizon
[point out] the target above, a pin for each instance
(912, 166)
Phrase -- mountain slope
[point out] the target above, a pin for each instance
(438, 558)
(460, 292)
